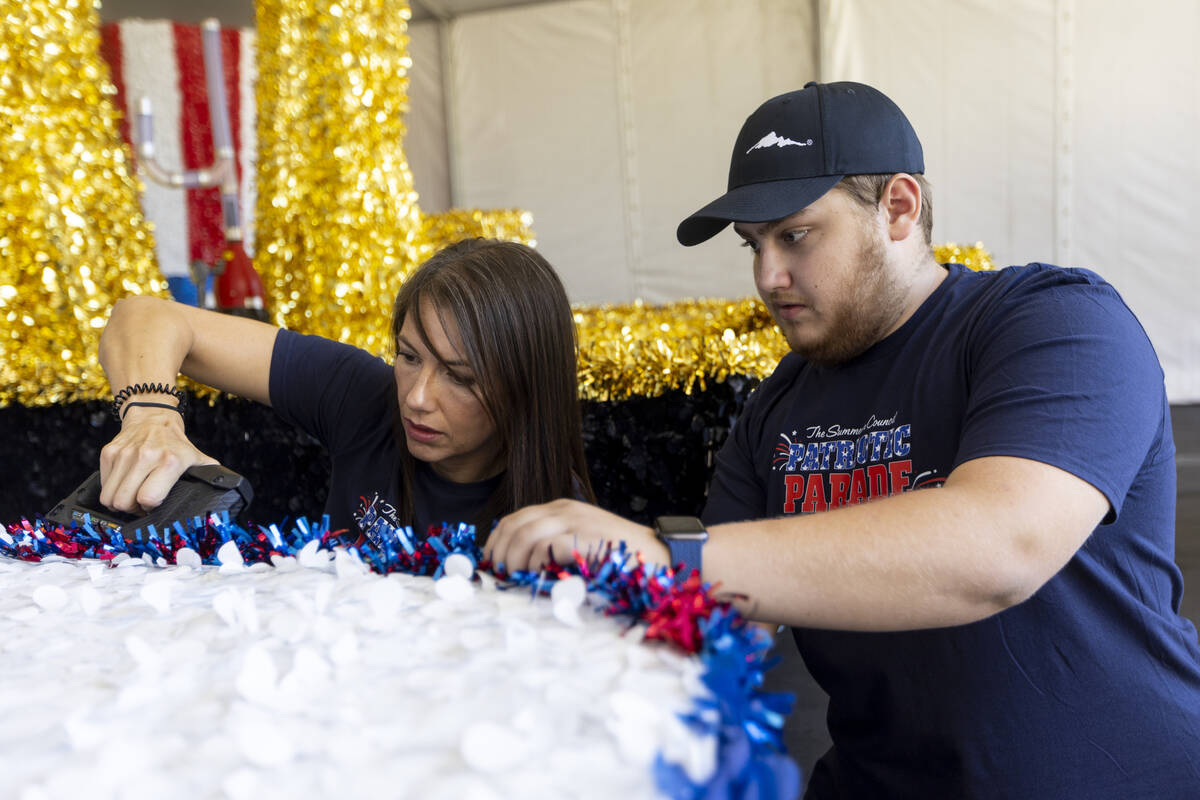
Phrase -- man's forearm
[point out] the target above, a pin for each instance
(979, 544)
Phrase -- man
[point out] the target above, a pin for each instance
(1011, 630)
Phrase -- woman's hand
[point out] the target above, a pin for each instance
(141, 464)
(150, 340)
(526, 538)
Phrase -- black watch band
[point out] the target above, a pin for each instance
(684, 538)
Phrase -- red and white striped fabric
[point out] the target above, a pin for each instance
(164, 61)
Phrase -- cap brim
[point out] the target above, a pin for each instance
(754, 202)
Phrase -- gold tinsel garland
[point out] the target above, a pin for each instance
(340, 227)
(972, 256)
(644, 350)
(72, 235)
(337, 212)
(441, 230)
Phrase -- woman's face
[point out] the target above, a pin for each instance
(445, 423)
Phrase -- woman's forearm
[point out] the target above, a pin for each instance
(146, 341)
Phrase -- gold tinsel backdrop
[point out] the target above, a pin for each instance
(72, 235)
(338, 222)
(339, 227)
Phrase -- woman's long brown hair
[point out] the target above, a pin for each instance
(518, 332)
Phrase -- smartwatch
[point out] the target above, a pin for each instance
(684, 538)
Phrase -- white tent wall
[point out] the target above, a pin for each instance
(1134, 205)
(977, 81)
(697, 69)
(1065, 131)
(537, 125)
(426, 144)
(610, 121)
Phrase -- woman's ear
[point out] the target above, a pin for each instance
(901, 202)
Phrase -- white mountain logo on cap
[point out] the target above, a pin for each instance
(773, 140)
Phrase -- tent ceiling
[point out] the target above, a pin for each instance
(446, 9)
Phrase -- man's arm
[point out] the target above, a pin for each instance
(150, 340)
(991, 536)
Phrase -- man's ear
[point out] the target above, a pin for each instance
(901, 202)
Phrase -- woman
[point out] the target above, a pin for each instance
(478, 416)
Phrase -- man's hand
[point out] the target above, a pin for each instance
(141, 464)
(525, 539)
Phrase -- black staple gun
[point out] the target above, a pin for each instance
(201, 490)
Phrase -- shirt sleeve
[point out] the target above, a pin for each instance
(333, 391)
(1062, 372)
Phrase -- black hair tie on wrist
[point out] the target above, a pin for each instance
(120, 398)
(125, 408)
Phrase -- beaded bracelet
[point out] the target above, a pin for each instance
(146, 388)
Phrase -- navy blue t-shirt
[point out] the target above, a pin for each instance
(1089, 689)
(346, 399)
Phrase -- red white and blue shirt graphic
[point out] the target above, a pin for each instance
(829, 466)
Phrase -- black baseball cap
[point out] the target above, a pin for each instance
(797, 146)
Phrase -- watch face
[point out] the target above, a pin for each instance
(680, 526)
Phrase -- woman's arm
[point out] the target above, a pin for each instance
(151, 340)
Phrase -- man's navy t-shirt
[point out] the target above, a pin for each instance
(1089, 689)
(346, 399)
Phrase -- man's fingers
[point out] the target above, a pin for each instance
(493, 546)
(529, 537)
(496, 548)
(522, 546)
(515, 541)
(512, 543)
(553, 548)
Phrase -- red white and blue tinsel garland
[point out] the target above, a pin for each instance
(745, 721)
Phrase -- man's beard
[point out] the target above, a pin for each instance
(862, 318)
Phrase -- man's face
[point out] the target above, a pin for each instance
(823, 274)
